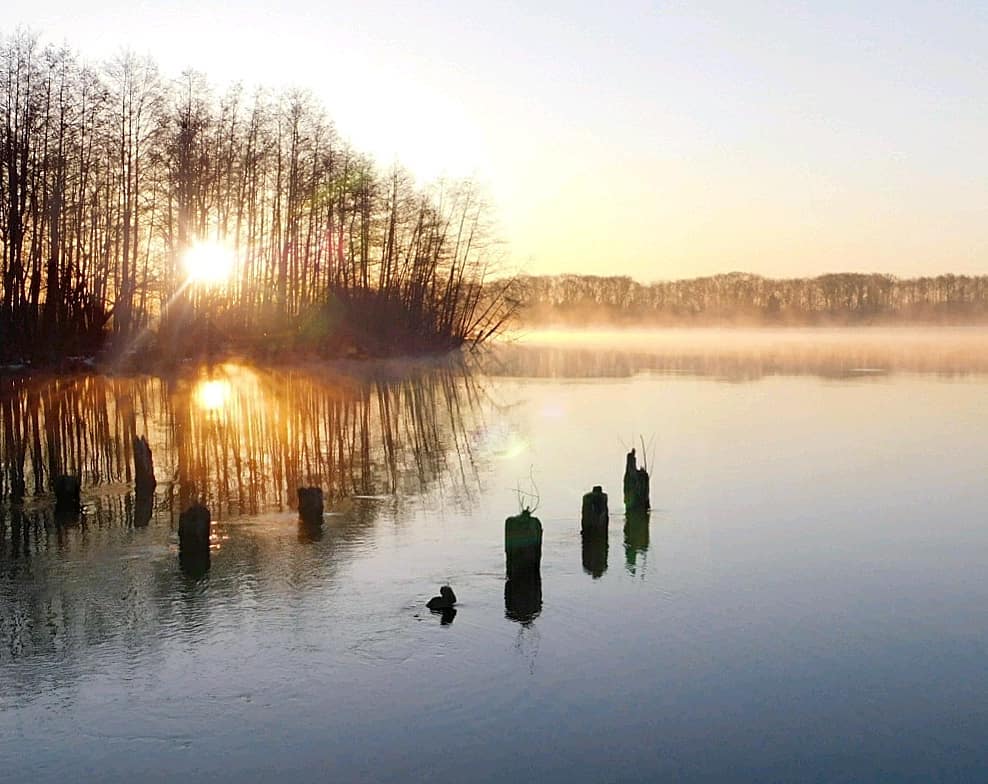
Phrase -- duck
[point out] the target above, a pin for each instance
(444, 601)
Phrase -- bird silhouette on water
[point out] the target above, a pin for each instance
(444, 601)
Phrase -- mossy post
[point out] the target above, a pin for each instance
(522, 544)
(635, 486)
(523, 560)
(193, 540)
(594, 516)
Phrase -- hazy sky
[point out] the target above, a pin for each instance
(660, 140)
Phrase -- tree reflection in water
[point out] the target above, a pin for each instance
(240, 438)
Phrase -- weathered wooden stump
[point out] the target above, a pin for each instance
(67, 495)
(193, 540)
(144, 482)
(444, 601)
(143, 467)
(310, 505)
(594, 517)
(193, 528)
(636, 491)
(522, 544)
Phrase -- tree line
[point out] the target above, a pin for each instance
(110, 173)
(846, 298)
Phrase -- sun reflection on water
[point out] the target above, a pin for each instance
(213, 394)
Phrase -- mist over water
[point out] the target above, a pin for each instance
(751, 352)
(804, 601)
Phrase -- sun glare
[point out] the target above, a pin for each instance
(212, 394)
(209, 262)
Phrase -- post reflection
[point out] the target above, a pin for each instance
(595, 553)
(523, 597)
(636, 539)
(143, 504)
(309, 533)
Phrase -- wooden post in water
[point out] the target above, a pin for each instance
(67, 496)
(594, 516)
(593, 527)
(310, 505)
(193, 540)
(144, 482)
(522, 544)
(143, 466)
(636, 490)
(523, 561)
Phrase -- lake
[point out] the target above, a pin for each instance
(806, 601)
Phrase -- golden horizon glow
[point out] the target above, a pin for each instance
(209, 263)
(722, 137)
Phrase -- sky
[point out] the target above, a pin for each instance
(653, 139)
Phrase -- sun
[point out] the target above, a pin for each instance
(209, 262)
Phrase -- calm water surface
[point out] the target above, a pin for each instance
(806, 602)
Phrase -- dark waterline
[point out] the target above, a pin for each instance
(804, 602)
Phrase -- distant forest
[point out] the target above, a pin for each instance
(739, 298)
(110, 173)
